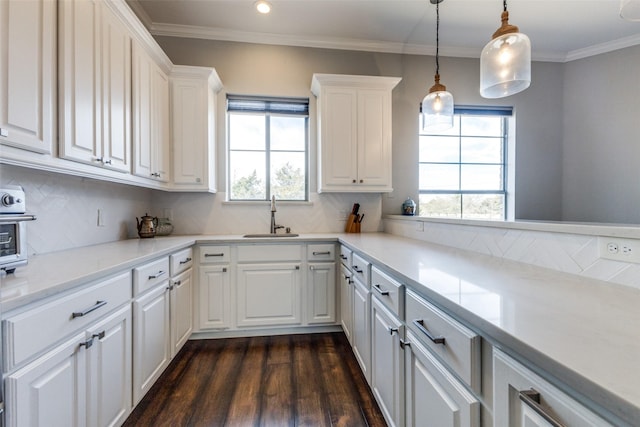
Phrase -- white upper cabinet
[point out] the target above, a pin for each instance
(354, 132)
(28, 74)
(95, 98)
(193, 112)
(150, 117)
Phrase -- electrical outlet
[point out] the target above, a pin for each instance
(343, 215)
(419, 226)
(619, 249)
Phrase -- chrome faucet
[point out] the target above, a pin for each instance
(274, 227)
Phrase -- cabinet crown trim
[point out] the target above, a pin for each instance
(354, 81)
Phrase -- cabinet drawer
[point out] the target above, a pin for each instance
(456, 345)
(324, 252)
(30, 332)
(210, 254)
(521, 397)
(361, 269)
(251, 253)
(345, 256)
(181, 261)
(149, 275)
(388, 290)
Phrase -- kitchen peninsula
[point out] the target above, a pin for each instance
(578, 334)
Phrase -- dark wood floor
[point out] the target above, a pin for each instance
(292, 380)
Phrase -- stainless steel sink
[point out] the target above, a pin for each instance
(269, 235)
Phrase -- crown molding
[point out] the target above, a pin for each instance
(221, 34)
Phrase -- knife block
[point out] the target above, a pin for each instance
(352, 225)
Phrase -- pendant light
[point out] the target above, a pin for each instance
(505, 62)
(437, 106)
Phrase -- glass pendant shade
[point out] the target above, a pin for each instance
(505, 62)
(437, 109)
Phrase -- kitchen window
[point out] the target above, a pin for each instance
(463, 170)
(268, 141)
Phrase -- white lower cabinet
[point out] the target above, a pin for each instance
(361, 340)
(214, 297)
(181, 303)
(151, 343)
(268, 294)
(86, 380)
(387, 363)
(523, 399)
(321, 293)
(433, 396)
(346, 302)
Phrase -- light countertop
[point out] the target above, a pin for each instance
(583, 332)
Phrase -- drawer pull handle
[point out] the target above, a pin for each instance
(355, 268)
(322, 253)
(87, 344)
(158, 274)
(380, 290)
(344, 257)
(177, 282)
(212, 255)
(96, 306)
(224, 269)
(420, 325)
(532, 399)
(347, 278)
(404, 344)
(392, 330)
(185, 261)
(99, 335)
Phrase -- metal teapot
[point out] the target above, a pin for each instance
(147, 226)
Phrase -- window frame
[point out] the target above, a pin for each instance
(268, 114)
(506, 114)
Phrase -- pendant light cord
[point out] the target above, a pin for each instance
(438, 38)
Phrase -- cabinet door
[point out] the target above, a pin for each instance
(151, 335)
(190, 137)
(116, 89)
(338, 138)
(374, 138)
(181, 310)
(268, 294)
(346, 302)
(321, 295)
(361, 327)
(80, 75)
(387, 363)
(142, 87)
(110, 370)
(50, 391)
(433, 396)
(28, 74)
(214, 297)
(160, 124)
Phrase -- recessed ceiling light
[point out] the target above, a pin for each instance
(263, 6)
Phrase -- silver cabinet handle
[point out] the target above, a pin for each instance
(420, 325)
(532, 399)
(158, 274)
(380, 290)
(355, 268)
(94, 307)
(211, 255)
(185, 261)
(322, 253)
(392, 330)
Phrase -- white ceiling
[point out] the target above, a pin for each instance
(560, 30)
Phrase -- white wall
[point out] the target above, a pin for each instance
(601, 159)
